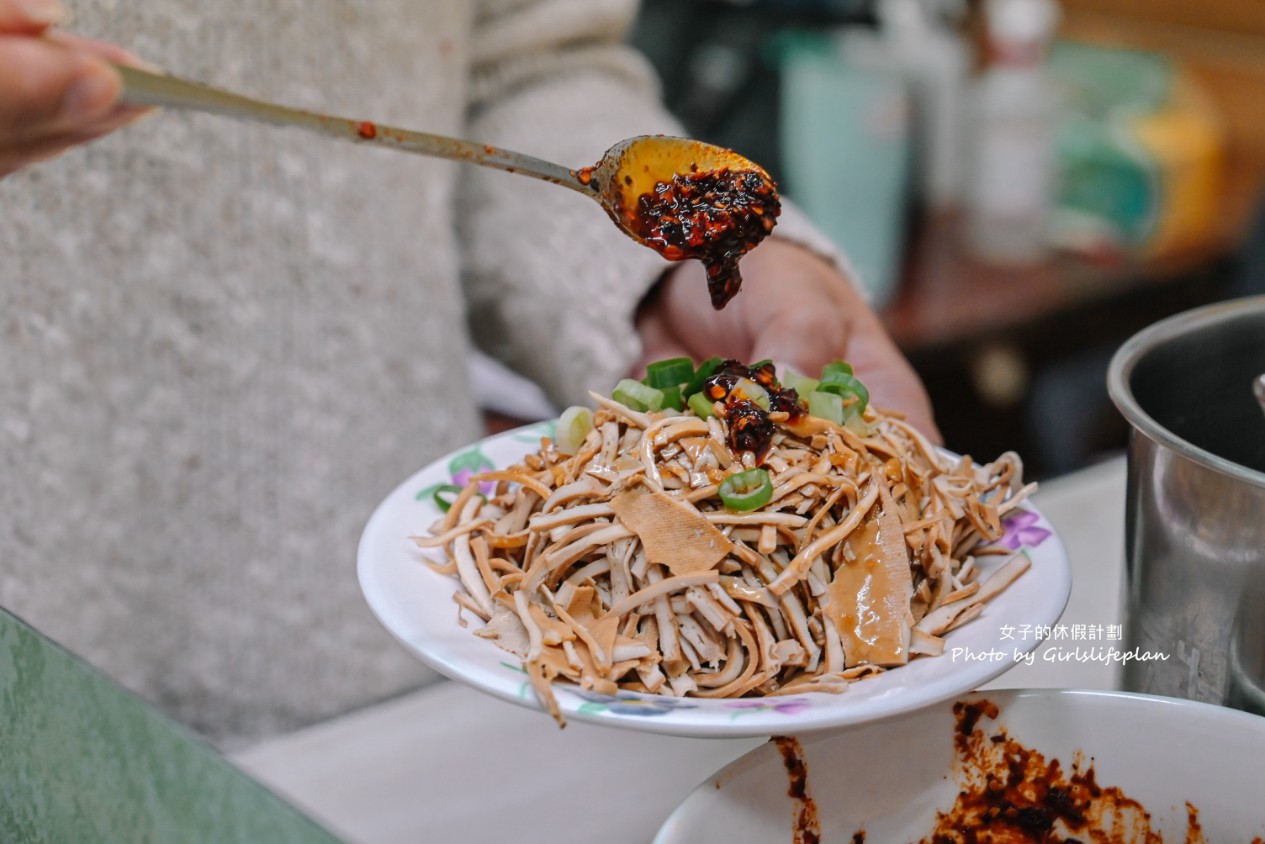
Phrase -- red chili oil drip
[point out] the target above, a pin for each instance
(750, 428)
(723, 379)
(715, 216)
(787, 401)
(807, 826)
(367, 130)
(765, 374)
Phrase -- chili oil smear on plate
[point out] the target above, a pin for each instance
(806, 825)
(1011, 794)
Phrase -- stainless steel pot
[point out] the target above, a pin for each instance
(1195, 514)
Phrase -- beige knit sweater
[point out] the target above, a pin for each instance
(223, 344)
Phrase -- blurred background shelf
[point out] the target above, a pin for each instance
(1016, 358)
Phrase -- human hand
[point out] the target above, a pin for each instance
(56, 90)
(795, 309)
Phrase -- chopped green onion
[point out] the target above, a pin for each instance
(863, 396)
(672, 397)
(828, 406)
(637, 396)
(705, 370)
(801, 384)
(444, 495)
(836, 377)
(672, 372)
(573, 426)
(701, 405)
(837, 367)
(845, 385)
(748, 389)
(856, 424)
(747, 490)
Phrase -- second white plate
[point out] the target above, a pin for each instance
(889, 782)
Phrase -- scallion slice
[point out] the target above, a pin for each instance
(747, 490)
(701, 405)
(801, 384)
(828, 406)
(637, 396)
(671, 372)
(573, 426)
(750, 390)
(846, 386)
(705, 370)
(837, 367)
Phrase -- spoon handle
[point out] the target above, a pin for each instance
(144, 88)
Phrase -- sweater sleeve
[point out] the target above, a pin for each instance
(552, 283)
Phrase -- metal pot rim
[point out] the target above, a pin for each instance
(1127, 356)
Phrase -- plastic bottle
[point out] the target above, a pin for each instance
(922, 39)
(1013, 111)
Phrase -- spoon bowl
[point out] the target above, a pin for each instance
(688, 199)
(635, 166)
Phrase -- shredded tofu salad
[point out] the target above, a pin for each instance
(715, 531)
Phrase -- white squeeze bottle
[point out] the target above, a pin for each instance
(1013, 112)
(922, 39)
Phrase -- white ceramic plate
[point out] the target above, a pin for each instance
(415, 604)
(889, 780)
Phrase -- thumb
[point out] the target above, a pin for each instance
(29, 18)
(59, 88)
(801, 341)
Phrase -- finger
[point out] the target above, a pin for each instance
(106, 50)
(894, 384)
(15, 157)
(28, 17)
(657, 342)
(804, 339)
(12, 160)
(47, 89)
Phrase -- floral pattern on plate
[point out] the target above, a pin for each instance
(1023, 530)
(631, 703)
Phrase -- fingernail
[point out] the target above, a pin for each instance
(91, 95)
(141, 64)
(41, 12)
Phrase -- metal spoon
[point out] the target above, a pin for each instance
(628, 170)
